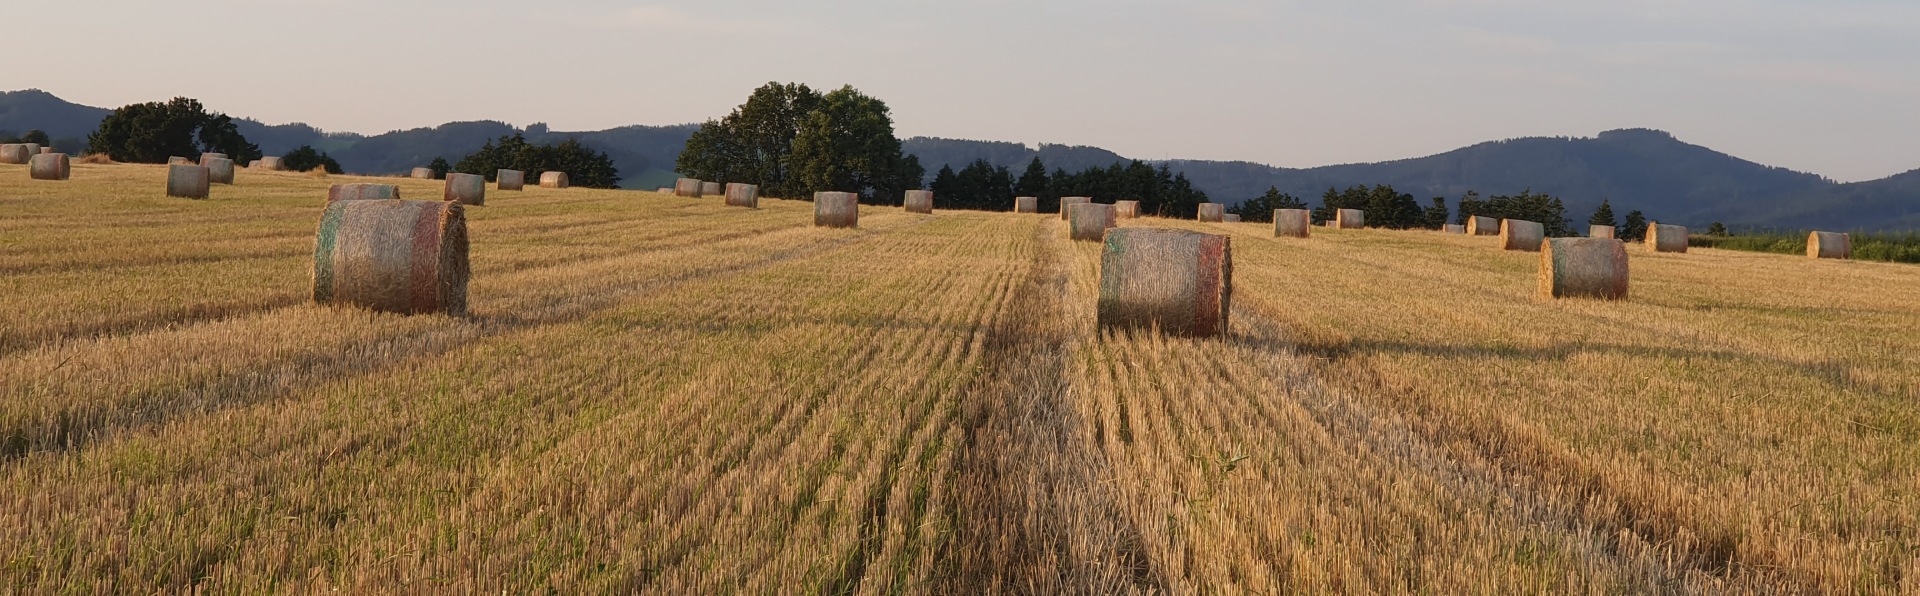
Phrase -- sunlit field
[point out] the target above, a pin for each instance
(664, 394)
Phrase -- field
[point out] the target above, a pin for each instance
(665, 394)
(1867, 246)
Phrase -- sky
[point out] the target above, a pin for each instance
(1830, 87)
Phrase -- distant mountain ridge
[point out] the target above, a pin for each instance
(1641, 169)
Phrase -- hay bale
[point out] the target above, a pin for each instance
(1179, 281)
(466, 189)
(836, 210)
(1483, 226)
(1232, 217)
(271, 164)
(1126, 209)
(1292, 223)
(205, 157)
(188, 181)
(919, 201)
(363, 192)
(663, 190)
(179, 161)
(47, 151)
(1212, 213)
(1666, 238)
(1829, 245)
(1523, 235)
(14, 153)
(32, 149)
(1066, 202)
(1605, 232)
(687, 187)
(422, 173)
(407, 257)
(1583, 267)
(712, 189)
(1026, 204)
(743, 195)
(1090, 221)
(510, 180)
(1454, 229)
(50, 166)
(1350, 219)
(555, 180)
(219, 169)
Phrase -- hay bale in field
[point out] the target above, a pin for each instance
(510, 180)
(743, 195)
(1212, 213)
(686, 187)
(1583, 267)
(14, 153)
(1232, 217)
(206, 157)
(1829, 245)
(1026, 204)
(836, 210)
(32, 149)
(188, 181)
(919, 201)
(1090, 221)
(1066, 202)
(712, 189)
(1350, 219)
(1126, 209)
(1666, 238)
(466, 189)
(363, 192)
(219, 169)
(50, 166)
(1483, 226)
(1177, 280)
(555, 180)
(271, 164)
(1600, 232)
(47, 151)
(1454, 229)
(1520, 234)
(1292, 223)
(407, 257)
(179, 161)
(663, 190)
(422, 173)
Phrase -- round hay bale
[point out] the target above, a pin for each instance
(1176, 280)
(1026, 204)
(1126, 209)
(1829, 245)
(686, 187)
(1090, 221)
(1483, 226)
(1212, 213)
(179, 161)
(205, 157)
(219, 169)
(712, 189)
(32, 149)
(50, 166)
(271, 164)
(14, 153)
(1600, 232)
(1066, 202)
(919, 201)
(1350, 219)
(188, 181)
(555, 180)
(1583, 267)
(47, 151)
(663, 190)
(743, 195)
(422, 173)
(466, 189)
(836, 210)
(1522, 235)
(363, 192)
(510, 180)
(1292, 223)
(1666, 238)
(407, 257)
(1454, 229)
(1232, 217)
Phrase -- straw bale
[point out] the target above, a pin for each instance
(1179, 281)
(187, 181)
(50, 166)
(1126, 209)
(206, 157)
(743, 195)
(836, 210)
(1522, 235)
(712, 189)
(1583, 267)
(919, 201)
(363, 192)
(407, 257)
(687, 187)
(14, 153)
(270, 163)
(664, 190)
(1454, 229)
(1065, 202)
(1829, 245)
(1212, 213)
(466, 189)
(219, 169)
(555, 180)
(32, 149)
(179, 161)
(1666, 238)
(1292, 223)
(1483, 226)
(423, 173)
(47, 151)
(1026, 204)
(1350, 219)
(510, 180)
(1600, 232)
(1090, 221)
(1231, 218)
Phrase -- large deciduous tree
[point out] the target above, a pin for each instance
(793, 141)
(154, 131)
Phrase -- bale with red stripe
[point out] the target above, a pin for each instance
(1026, 204)
(919, 201)
(407, 257)
(1600, 232)
(1521, 235)
(50, 166)
(14, 153)
(363, 192)
(743, 195)
(1213, 213)
(1350, 219)
(1829, 245)
(423, 173)
(466, 189)
(686, 187)
(555, 180)
(1176, 280)
(836, 210)
(1292, 223)
(510, 180)
(1126, 209)
(187, 181)
(1067, 202)
(219, 169)
(1583, 267)
(1483, 226)
(1666, 238)
(1090, 221)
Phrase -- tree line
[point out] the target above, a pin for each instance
(1391, 209)
(984, 186)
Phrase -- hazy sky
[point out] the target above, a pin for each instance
(1831, 87)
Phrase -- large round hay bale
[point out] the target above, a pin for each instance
(1666, 238)
(32, 149)
(406, 257)
(686, 187)
(1026, 204)
(206, 157)
(179, 161)
(188, 181)
(836, 210)
(1066, 202)
(219, 169)
(1600, 232)
(743, 195)
(510, 180)
(1176, 280)
(1231, 218)
(363, 192)
(1292, 223)
(712, 189)
(1126, 209)
(466, 189)
(919, 201)
(1522, 235)
(1584, 267)
(423, 173)
(555, 180)
(1090, 221)
(1830, 245)
(1350, 219)
(14, 153)
(270, 163)
(1454, 229)
(1483, 226)
(47, 151)
(1212, 213)
(50, 166)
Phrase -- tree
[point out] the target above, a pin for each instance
(305, 159)
(154, 131)
(1603, 216)
(1260, 209)
(584, 166)
(847, 145)
(1034, 182)
(1436, 217)
(1471, 206)
(1385, 207)
(1717, 229)
(1635, 228)
(37, 137)
(439, 167)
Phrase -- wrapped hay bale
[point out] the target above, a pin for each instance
(179, 161)
(219, 169)
(1454, 229)
(407, 257)
(555, 180)
(686, 187)
(1067, 202)
(1829, 245)
(1232, 217)
(510, 180)
(14, 153)
(919, 201)
(206, 157)
(1520, 234)
(712, 189)
(1483, 226)
(1090, 221)
(1179, 281)
(1026, 204)
(1212, 213)
(271, 164)
(422, 173)
(363, 192)
(1583, 267)
(743, 195)
(50, 166)
(187, 181)
(1126, 209)
(1350, 219)
(466, 189)
(836, 210)
(1292, 223)
(1666, 238)
(1600, 232)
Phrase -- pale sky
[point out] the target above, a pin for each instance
(1829, 87)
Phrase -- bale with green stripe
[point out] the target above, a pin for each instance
(1350, 219)
(1067, 202)
(1126, 209)
(919, 201)
(50, 166)
(555, 180)
(14, 153)
(407, 257)
(743, 195)
(836, 210)
(363, 192)
(466, 189)
(1213, 213)
(219, 169)
(1090, 221)
(1600, 232)
(1292, 223)
(1521, 235)
(687, 187)
(1583, 267)
(1178, 281)
(1666, 238)
(510, 180)
(1483, 226)
(1829, 245)
(1026, 204)
(188, 181)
